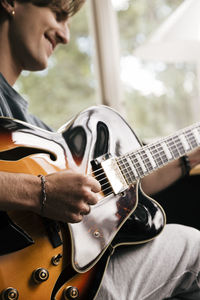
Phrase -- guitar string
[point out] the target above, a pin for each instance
(191, 139)
(160, 159)
(154, 145)
(146, 160)
(137, 164)
(177, 147)
(166, 141)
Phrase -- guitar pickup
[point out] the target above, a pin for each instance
(113, 174)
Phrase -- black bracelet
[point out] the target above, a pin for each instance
(185, 165)
(44, 195)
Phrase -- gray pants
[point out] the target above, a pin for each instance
(165, 268)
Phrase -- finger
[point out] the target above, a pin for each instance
(86, 211)
(93, 184)
(81, 208)
(75, 218)
(89, 197)
(92, 200)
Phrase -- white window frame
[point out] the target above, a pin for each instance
(104, 29)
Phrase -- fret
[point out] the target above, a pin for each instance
(191, 139)
(148, 159)
(184, 142)
(132, 167)
(188, 138)
(156, 155)
(196, 135)
(142, 165)
(166, 153)
(126, 170)
(174, 148)
(181, 150)
(162, 154)
(137, 164)
(171, 146)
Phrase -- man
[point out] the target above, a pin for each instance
(167, 267)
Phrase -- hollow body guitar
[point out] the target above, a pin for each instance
(41, 259)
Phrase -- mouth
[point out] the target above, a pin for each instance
(51, 41)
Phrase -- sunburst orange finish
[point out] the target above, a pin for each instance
(16, 268)
(89, 136)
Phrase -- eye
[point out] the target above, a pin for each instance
(61, 15)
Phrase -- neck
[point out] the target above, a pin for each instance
(145, 160)
(8, 71)
(8, 66)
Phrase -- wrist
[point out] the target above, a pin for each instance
(185, 165)
(43, 196)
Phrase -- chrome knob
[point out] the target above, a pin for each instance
(40, 275)
(70, 293)
(9, 294)
(56, 259)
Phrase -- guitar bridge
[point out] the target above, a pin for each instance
(113, 173)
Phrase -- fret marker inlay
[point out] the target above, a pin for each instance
(166, 150)
(148, 153)
(184, 142)
(141, 163)
(196, 134)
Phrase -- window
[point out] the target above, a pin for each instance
(160, 98)
(157, 98)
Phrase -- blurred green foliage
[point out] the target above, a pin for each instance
(156, 115)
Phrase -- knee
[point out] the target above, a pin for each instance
(188, 240)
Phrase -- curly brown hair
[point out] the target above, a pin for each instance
(63, 8)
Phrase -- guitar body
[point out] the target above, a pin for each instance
(130, 217)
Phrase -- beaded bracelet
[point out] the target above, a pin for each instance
(185, 165)
(44, 195)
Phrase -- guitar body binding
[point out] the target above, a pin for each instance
(122, 216)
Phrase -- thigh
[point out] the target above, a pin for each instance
(153, 270)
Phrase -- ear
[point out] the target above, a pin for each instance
(8, 5)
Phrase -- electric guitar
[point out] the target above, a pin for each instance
(43, 259)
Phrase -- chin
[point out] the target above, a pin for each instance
(37, 65)
(37, 68)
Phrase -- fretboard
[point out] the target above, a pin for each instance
(145, 160)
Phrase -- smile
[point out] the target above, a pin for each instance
(51, 41)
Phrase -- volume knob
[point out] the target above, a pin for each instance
(9, 294)
(71, 293)
(40, 275)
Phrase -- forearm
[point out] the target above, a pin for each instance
(68, 194)
(167, 175)
(162, 178)
(19, 191)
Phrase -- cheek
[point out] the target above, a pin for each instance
(29, 50)
(26, 38)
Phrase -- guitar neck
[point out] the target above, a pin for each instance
(138, 164)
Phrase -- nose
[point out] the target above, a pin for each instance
(63, 33)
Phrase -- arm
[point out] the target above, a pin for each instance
(69, 194)
(167, 175)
